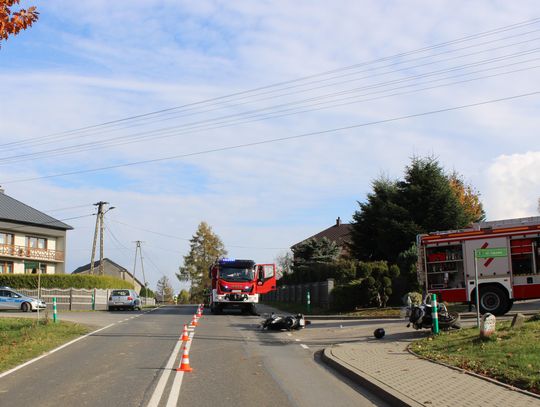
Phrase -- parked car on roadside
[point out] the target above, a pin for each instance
(124, 299)
(11, 299)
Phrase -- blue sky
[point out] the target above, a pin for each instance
(86, 63)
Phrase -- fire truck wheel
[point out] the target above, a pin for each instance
(493, 300)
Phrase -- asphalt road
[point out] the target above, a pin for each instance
(234, 364)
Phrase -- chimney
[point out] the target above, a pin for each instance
(338, 221)
(1, 189)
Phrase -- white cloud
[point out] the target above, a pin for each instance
(513, 186)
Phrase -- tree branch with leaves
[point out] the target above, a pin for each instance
(12, 22)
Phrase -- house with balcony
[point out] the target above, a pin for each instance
(30, 240)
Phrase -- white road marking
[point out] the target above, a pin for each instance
(55, 350)
(304, 346)
(174, 395)
(158, 392)
(297, 340)
(289, 334)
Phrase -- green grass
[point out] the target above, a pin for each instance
(22, 339)
(510, 356)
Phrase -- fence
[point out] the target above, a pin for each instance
(77, 299)
(319, 292)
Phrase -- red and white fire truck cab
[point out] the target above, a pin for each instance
(238, 283)
(446, 263)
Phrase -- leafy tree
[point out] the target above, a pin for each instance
(468, 197)
(427, 199)
(284, 264)
(381, 228)
(183, 297)
(164, 289)
(12, 22)
(205, 248)
(316, 251)
(313, 260)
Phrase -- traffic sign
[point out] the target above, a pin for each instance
(490, 253)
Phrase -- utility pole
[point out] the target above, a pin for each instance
(138, 248)
(100, 227)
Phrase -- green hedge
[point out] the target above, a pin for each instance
(30, 281)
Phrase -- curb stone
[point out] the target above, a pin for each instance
(378, 388)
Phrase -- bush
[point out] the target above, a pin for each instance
(347, 297)
(147, 292)
(30, 281)
(416, 298)
(341, 271)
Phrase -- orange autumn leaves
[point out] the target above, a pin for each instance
(12, 22)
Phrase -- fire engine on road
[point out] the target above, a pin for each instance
(446, 263)
(238, 283)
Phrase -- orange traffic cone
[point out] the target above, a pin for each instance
(185, 336)
(199, 314)
(194, 321)
(184, 364)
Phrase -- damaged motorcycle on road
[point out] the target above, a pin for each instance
(420, 316)
(281, 322)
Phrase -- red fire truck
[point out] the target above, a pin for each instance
(446, 263)
(238, 283)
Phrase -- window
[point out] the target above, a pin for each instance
(36, 242)
(6, 238)
(42, 267)
(6, 267)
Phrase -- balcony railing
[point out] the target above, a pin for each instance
(32, 253)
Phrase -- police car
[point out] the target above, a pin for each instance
(10, 299)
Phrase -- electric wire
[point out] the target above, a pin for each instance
(42, 142)
(258, 114)
(269, 141)
(186, 239)
(221, 98)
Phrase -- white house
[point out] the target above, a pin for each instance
(30, 239)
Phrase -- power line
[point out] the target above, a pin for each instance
(67, 208)
(269, 141)
(280, 84)
(259, 114)
(314, 106)
(52, 221)
(186, 239)
(203, 124)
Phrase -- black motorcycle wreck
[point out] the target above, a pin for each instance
(420, 316)
(281, 322)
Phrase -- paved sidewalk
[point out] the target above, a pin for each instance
(390, 371)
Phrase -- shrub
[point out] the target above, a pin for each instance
(30, 281)
(347, 297)
(416, 297)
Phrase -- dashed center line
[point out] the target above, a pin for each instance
(304, 346)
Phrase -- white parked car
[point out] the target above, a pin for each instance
(124, 299)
